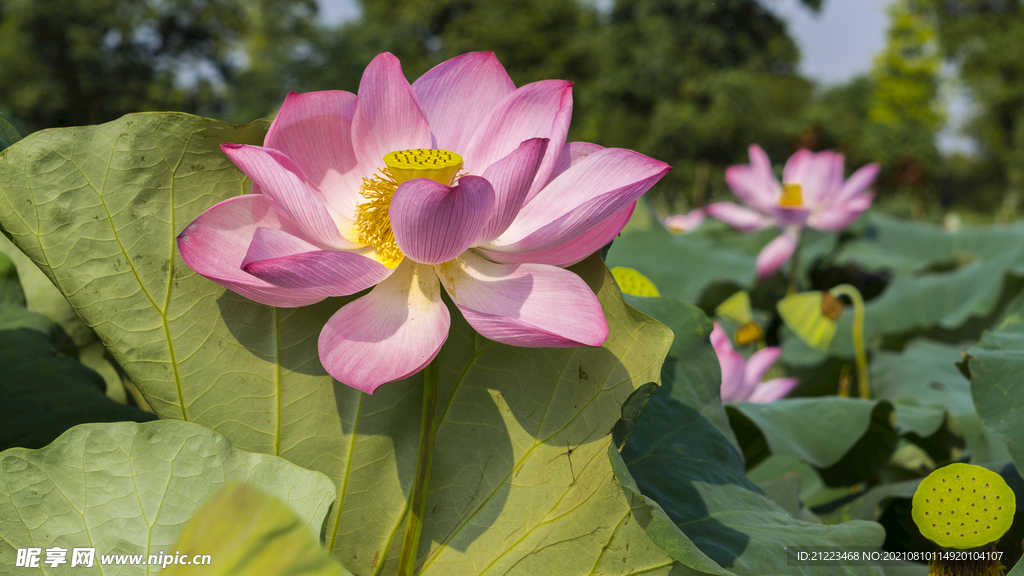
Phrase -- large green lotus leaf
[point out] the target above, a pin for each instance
(861, 434)
(249, 532)
(687, 468)
(996, 365)
(44, 391)
(43, 297)
(901, 246)
(940, 278)
(520, 481)
(8, 134)
(127, 488)
(684, 266)
(812, 492)
(688, 361)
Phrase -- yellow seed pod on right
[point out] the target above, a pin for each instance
(963, 506)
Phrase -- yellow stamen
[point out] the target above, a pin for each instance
(792, 196)
(372, 222)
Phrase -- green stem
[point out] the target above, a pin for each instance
(858, 335)
(794, 269)
(421, 483)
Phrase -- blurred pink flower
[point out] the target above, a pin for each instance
(460, 179)
(680, 223)
(813, 193)
(741, 379)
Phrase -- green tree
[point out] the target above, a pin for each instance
(983, 39)
(64, 62)
(905, 112)
(892, 115)
(690, 82)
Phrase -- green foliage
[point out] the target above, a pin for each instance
(893, 115)
(74, 63)
(995, 364)
(8, 134)
(250, 532)
(684, 459)
(522, 433)
(44, 390)
(127, 488)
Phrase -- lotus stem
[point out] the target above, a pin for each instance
(421, 482)
(794, 269)
(858, 335)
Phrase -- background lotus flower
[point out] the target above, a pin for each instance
(813, 193)
(741, 378)
(680, 223)
(460, 179)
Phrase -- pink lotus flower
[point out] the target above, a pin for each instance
(741, 379)
(682, 223)
(812, 193)
(460, 180)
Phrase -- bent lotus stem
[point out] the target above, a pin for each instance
(858, 334)
(421, 482)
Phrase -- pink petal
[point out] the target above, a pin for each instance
(772, 390)
(314, 130)
(731, 363)
(739, 217)
(574, 250)
(836, 185)
(389, 334)
(291, 193)
(858, 182)
(274, 243)
(458, 94)
(814, 172)
(838, 216)
(511, 178)
(775, 254)
(754, 184)
(588, 193)
(284, 260)
(388, 116)
(757, 365)
(434, 223)
(688, 222)
(572, 152)
(215, 243)
(539, 110)
(524, 304)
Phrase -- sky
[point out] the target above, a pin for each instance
(836, 44)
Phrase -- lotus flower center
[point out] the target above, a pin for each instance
(373, 224)
(792, 196)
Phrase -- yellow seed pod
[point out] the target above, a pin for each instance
(438, 165)
(963, 506)
(804, 315)
(634, 283)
